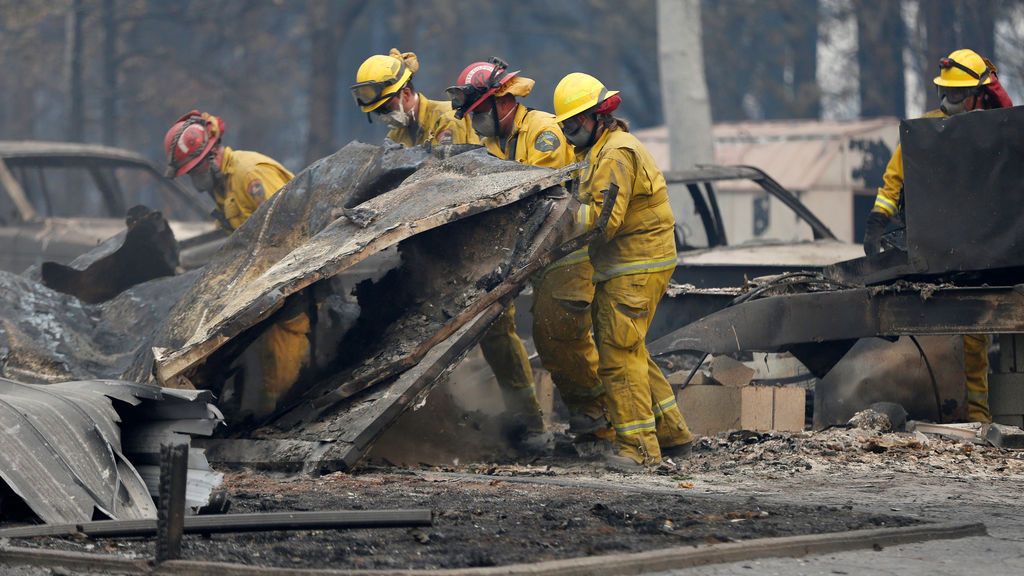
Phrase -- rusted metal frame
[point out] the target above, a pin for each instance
(712, 226)
(770, 185)
(712, 198)
(710, 173)
(109, 190)
(776, 323)
(16, 193)
(170, 520)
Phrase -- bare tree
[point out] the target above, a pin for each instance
(73, 56)
(110, 65)
(684, 91)
(881, 36)
(328, 22)
(802, 23)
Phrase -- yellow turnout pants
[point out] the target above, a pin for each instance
(506, 355)
(641, 403)
(284, 350)
(562, 321)
(976, 373)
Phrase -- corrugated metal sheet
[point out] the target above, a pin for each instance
(69, 449)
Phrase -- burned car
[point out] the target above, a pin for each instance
(710, 270)
(59, 200)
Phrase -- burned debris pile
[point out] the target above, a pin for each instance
(401, 258)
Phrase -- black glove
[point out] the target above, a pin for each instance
(873, 233)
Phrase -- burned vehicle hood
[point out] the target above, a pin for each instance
(732, 266)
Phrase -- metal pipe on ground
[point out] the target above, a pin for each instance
(255, 522)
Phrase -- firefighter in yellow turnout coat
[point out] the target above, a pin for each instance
(633, 260)
(486, 92)
(239, 181)
(966, 82)
(384, 90)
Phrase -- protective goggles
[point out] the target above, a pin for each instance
(464, 97)
(372, 91)
(947, 63)
(572, 125)
(956, 95)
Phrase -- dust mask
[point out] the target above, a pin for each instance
(950, 108)
(486, 124)
(206, 180)
(397, 118)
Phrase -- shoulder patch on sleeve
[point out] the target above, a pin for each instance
(547, 141)
(256, 190)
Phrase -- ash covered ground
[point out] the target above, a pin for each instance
(733, 487)
(483, 520)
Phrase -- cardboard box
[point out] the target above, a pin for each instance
(711, 409)
(729, 372)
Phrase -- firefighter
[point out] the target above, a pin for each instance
(384, 90)
(486, 92)
(966, 82)
(239, 181)
(633, 260)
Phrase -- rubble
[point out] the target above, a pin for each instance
(838, 451)
(485, 521)
(1007, 437)
(881, 417)
(146, 250)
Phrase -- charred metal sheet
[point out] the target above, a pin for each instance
(144, 251)
(961, 169)
(964, 169)
(776, 323)
(302, 235)
(46, 336)
(868, 270)
(66, 451)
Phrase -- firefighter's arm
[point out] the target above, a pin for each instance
(614, 167)
(888, 197)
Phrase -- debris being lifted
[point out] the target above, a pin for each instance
(401, 257)
(77, 450)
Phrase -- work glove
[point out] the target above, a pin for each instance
(873, 231)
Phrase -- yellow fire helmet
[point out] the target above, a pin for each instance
(578, 92)
(379, 78)
(964, 68)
